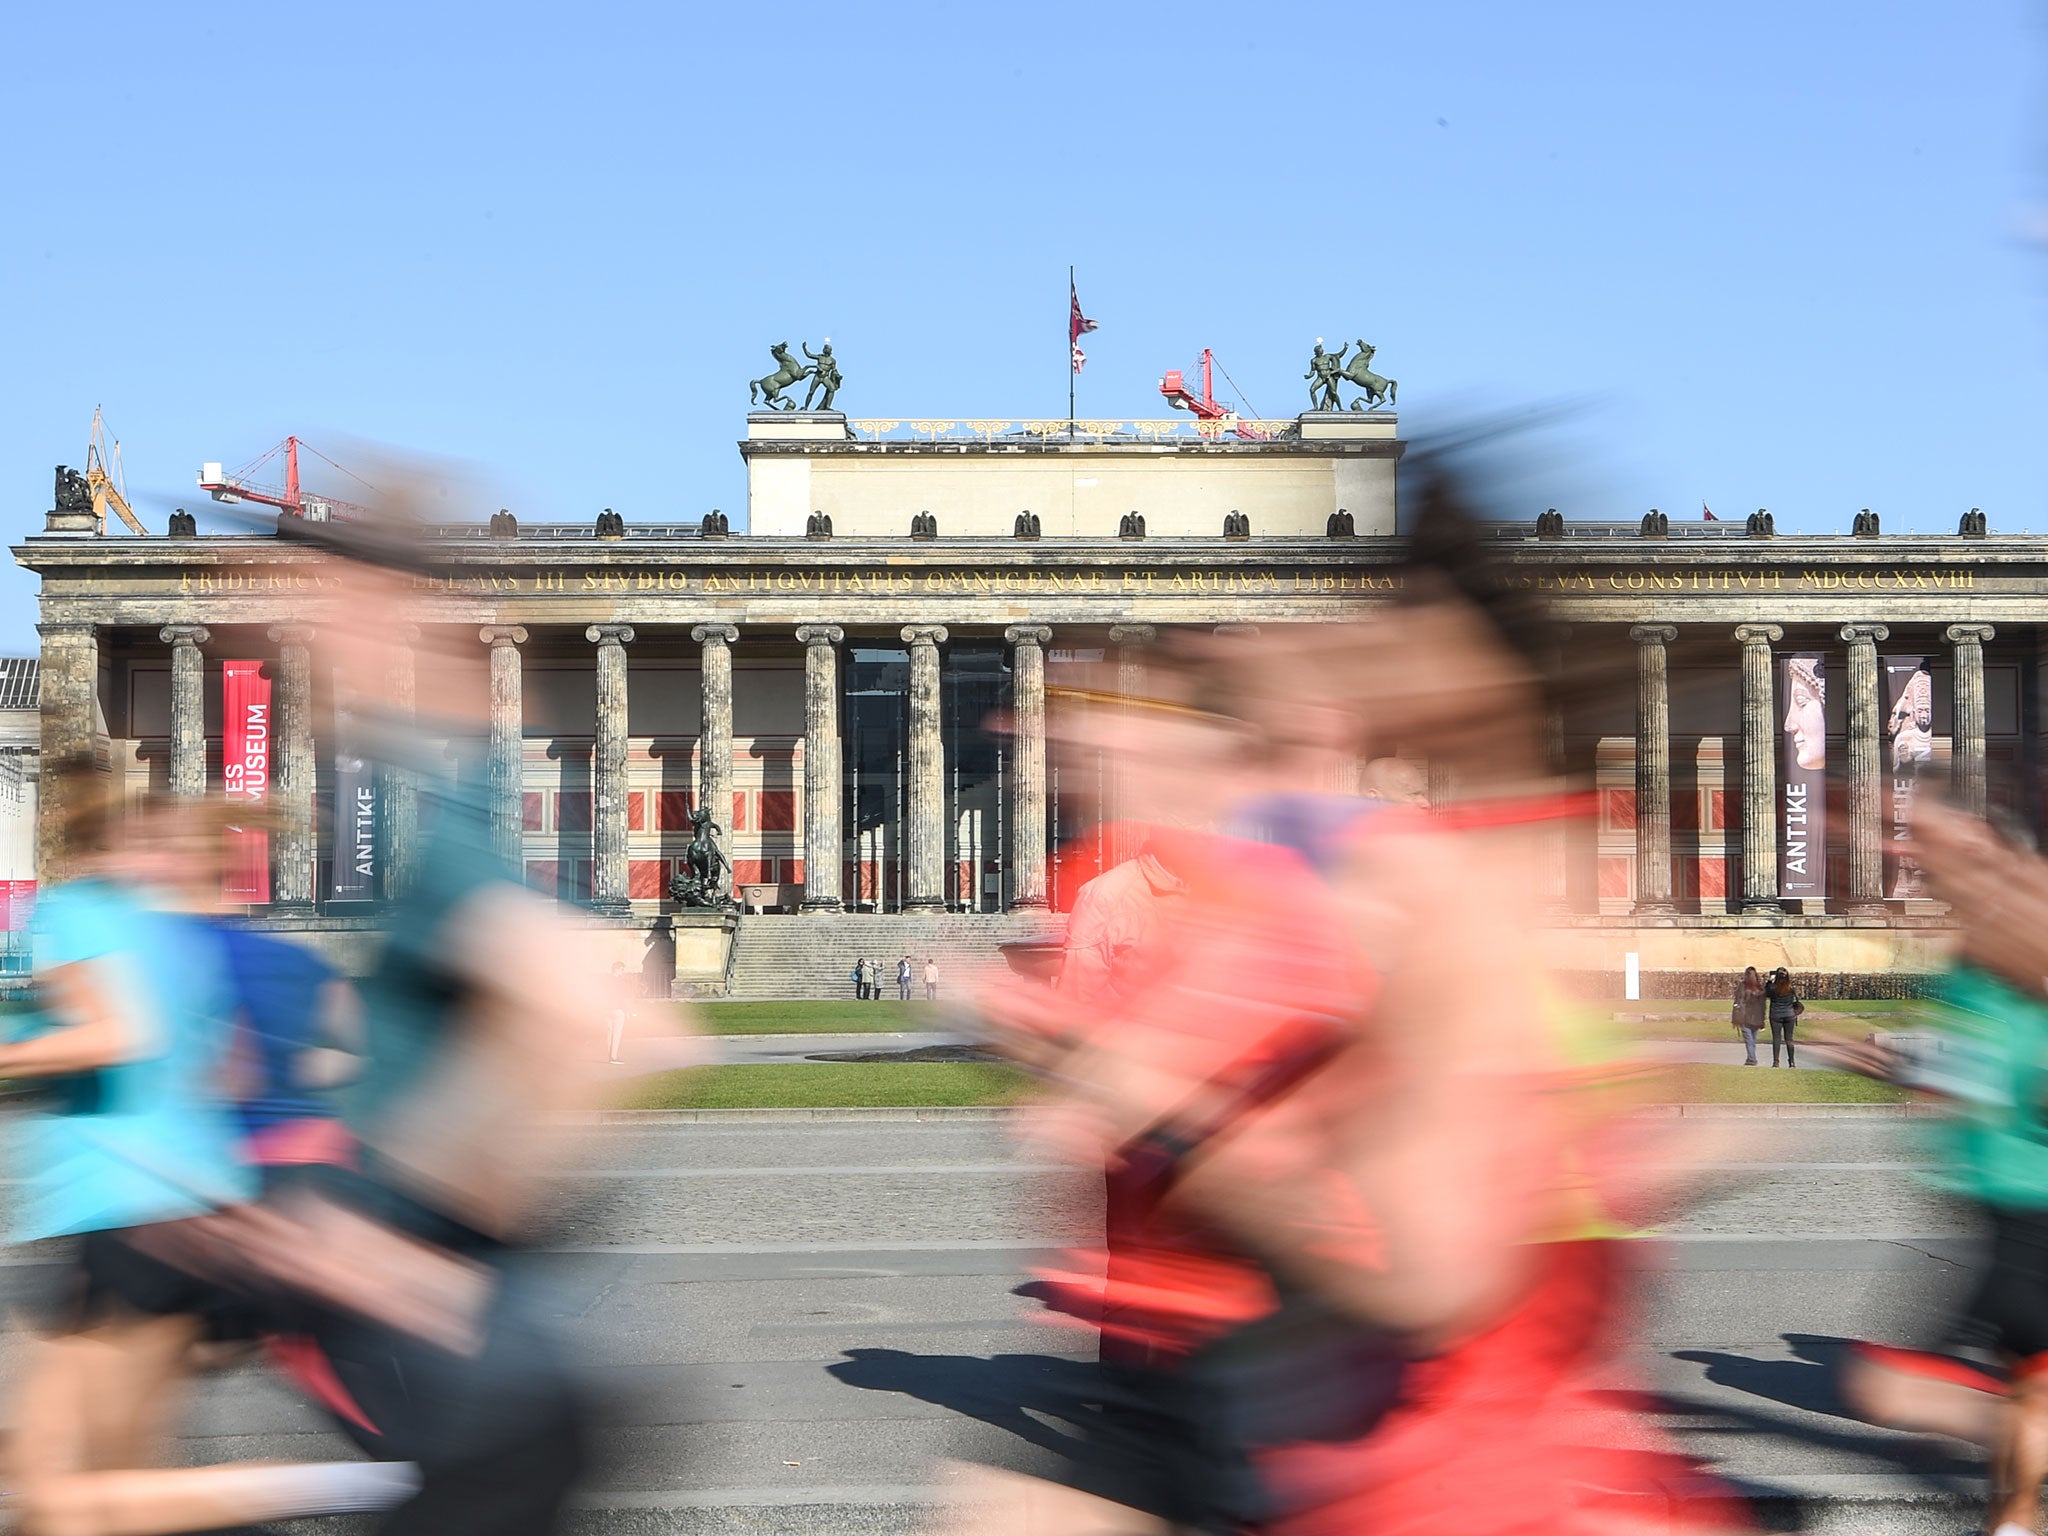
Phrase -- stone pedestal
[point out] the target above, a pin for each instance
(714, 746)
(1027, 772)
(294, 770)
(1866, 784)
(927, 766)
(610, 891)
(1759, 769)
(508, 745)
(188, 709)
(821, 765)
(1653, 768)
(1966, 756)
(70, 683)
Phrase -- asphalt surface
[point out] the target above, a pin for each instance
(791, 1325)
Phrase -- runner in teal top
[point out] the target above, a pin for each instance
(144, 1138)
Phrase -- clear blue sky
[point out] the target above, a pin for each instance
(1793, 250)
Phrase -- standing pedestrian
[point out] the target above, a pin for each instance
(615, 1021)
(1746, 1011)
(1785, 1009)
(859, 977)
(903, 979)
(931, 979)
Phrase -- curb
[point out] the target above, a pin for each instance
(885, 1113)
(989, 1112)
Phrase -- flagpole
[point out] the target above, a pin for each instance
(1070, 356)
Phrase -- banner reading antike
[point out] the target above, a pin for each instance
(1909, 737)
(355, 812)
(245, 778)
(1803, 779)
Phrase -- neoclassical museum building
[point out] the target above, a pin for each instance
(822, 683)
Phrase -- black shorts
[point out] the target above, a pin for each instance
(2009, 1313)
(106, 1276)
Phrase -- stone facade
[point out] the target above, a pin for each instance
(826, 696)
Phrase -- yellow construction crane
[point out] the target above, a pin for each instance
(103, 477)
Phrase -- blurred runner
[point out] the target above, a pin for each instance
(1368, 1161)
(1987, 1379)
(298, 1037)
(132, 1141)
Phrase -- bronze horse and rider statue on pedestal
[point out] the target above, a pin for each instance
(1327, 370)
(700, 880)
(822, 371)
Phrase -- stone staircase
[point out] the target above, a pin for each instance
(811, 954)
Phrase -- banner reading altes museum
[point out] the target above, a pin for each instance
(245, 777)
(1802, 779)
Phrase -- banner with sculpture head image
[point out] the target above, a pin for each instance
(1909, 746)
(1803, 778)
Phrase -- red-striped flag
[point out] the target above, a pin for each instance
(1078, 325)
(1707, 513)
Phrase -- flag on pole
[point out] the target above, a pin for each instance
(1078, 325)
(1707, 513)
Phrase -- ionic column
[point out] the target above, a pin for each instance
(609, 891)
(1130, 641)
(397, 793)
(69, 681)
(1866, 806)
(714, 747)
(927, 829)
(1966, 750)
(1027, 781)
(1653, 768)
(821, 765)
(188, 709)
(291, 789)
(1759, 768)
(508, 745)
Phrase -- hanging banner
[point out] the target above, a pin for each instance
(355, 812)
(1909, 736)
(245, 778)
(1803, 779)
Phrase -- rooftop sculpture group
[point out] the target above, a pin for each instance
(1326, 370)
(823, 372)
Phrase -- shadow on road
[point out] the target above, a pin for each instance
(1002, 1390)
(1808, 1384)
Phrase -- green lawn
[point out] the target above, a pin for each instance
(1666, 1020)
(837, 1017)
(828, 1085)
(1771, 1085)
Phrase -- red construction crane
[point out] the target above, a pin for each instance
(240, 486)
(1205, 405)
(1175, 388)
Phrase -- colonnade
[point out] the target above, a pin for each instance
(71, 661)
(70, 657)
(1865, 777)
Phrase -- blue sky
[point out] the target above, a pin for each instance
(1792, 254)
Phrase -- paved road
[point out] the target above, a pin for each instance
(790, 1323)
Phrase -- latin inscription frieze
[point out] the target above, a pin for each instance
(1161, 580)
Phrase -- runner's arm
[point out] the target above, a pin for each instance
(100, 1037)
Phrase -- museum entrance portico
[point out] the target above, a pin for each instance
(864, 716)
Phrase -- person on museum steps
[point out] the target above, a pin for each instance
(1785, 1009)
(859, 976)
(1368, 1170)
(931, 978)
(903, 979)
(1746, 1013)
